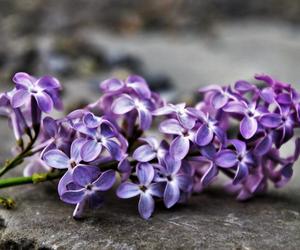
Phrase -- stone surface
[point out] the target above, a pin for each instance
(211, 220)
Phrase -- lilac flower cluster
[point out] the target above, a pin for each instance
(236, 131)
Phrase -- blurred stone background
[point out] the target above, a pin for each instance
(178, 46)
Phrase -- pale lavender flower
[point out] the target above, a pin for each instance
(180, 145)
(145, 189)
(126, 103)
(185, 116)
(152, 149)
(133, 83)
(251, 112)
(56, 158)
(176, 180)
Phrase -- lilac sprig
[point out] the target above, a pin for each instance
(236, 131)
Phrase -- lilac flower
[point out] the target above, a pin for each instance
(145, 189)
(28, 86)
(185, 116)
(251, 112)
(134, 82)
(126, 103)
(100, 133)
(180, 146)
(218, 96)
(207, 130)
(16, 118)
(283, 123)
(176, 180)
(56, 135)
(87, 187)
(152, 149)
(57, 159)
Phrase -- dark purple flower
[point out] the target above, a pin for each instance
(145, 189)
(87, 187)
(28, 86)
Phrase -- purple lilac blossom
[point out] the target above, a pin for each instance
(237, 131)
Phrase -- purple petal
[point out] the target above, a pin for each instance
(184, 182)
(179, 147)
(124, 166)
(92, 121)
(84, 175)
(297, 149)
(209, 175)
(64, 181)
(144, 153)
(56, 159)
(139, 85)
(268, 95)
(284, 98)
(242, 172)
(171, 194)
(48, 82)
(165, 110)
(113, 148)
(172, 165)
(152, 141)
(156, 189)
(235, 107)
(23, 80)
(186, 120)
(50, 126)
(20, 97)
(145, 173)
(263, 146)
(44, 101)
(122, 105)
(270, 120)
(91, 150)
(240, 146)
(145, 119)
(171, 126)
(106, 180)
(127, 190)
(243, 86)
(146, 205)
(73, 197)
(226, 158)
(248, 127)
(78, 211)
(219, 100)
(76, 147)
(112, 85)
(204, 135)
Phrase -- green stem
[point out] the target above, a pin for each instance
(35, 178)
(19, 158)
